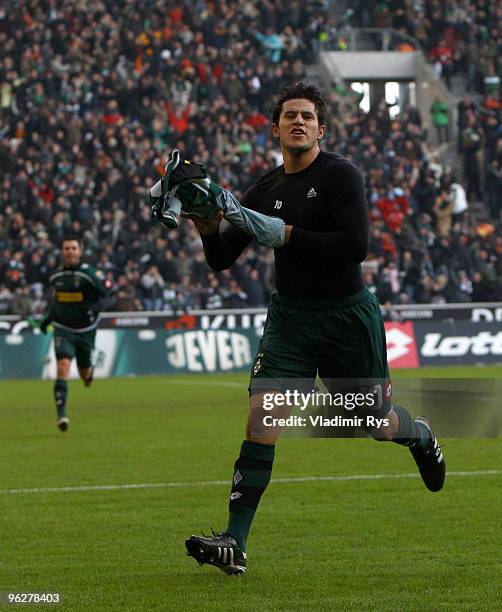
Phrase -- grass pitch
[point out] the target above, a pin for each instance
(355, 544)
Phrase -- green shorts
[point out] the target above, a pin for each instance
(341, 341)
(70, 345)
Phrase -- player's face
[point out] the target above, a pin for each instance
(298, 129)
(71, 252)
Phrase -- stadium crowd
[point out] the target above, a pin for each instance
(92, 95)
(459, 36)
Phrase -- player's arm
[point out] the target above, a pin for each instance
(47, 318)
(221, 248)
(349, 209)
(99, 290)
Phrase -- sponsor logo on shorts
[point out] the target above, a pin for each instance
(257, 364)
(388, 390)
(237, 477)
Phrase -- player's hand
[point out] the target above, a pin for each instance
(207, 226)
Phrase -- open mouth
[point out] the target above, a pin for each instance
(297, 132)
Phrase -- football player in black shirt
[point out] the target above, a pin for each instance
(322, 320)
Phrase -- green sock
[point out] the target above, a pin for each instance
(410, 433)
(423, 436)
(252, 473)
(60, 395)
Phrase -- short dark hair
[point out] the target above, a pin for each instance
(69, 237)
(300, 89)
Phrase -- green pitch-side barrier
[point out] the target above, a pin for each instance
(128, 352)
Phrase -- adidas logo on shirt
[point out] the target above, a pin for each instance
(311, 193)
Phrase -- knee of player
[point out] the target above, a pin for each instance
(63, 368)
(382, 434)
(257, 431)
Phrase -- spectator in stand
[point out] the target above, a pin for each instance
(442, 57)
(464, 286)
(443, 211)
(235, 297)
(471, 146)
(126, 296)
(440, 289)
(409, 274)
(424, 190)
(440, 120)
(369, 281)
(390, 286)
(254, 288)
(491, 80)
(21, 302)
(459, 198)
(213, 297)
(494, 189)
(465, 108)
(423, 294)
(152, 285)
(389, 313)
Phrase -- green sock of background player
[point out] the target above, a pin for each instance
(253, 469)
(60, 395)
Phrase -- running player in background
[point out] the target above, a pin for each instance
(77, 289)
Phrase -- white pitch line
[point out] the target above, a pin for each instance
(209, 483)
(204, 383)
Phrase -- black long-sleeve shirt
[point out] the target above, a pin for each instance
(326, 205)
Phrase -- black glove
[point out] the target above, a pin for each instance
(185, 189)
(179, 170)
